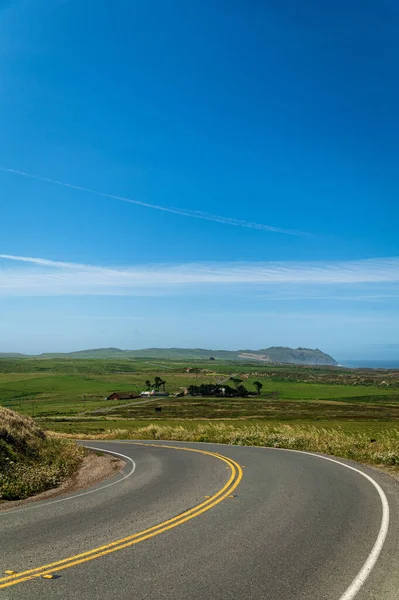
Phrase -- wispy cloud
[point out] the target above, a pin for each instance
(193, 214)
(40, 276)
(44, 262)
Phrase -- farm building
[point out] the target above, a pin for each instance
(155, 394)
(122, 396)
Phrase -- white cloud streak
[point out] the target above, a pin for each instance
(43, 262)
(193, 214)
(39, 276)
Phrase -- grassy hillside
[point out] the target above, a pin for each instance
(30, 462)
(303, 356)
(276, 354)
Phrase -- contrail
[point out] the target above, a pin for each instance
(193, 214)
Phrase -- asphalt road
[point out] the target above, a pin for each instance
(187, 525)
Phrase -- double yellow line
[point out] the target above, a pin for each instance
(131, 540)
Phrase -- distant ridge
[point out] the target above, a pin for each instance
(274, 354)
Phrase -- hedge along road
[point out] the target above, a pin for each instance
(195, 521)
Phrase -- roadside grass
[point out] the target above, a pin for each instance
(30, 461)
(100, 425)
(381, 449)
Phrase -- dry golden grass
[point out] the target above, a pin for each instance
(381, 450)
(19, 427)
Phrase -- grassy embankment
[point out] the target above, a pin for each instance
(30, 461)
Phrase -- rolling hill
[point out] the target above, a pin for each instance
(274, 354)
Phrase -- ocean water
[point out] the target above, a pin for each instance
(370, 364)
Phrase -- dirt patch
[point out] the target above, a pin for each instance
(95, 468)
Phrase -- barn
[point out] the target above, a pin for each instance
(122, 396)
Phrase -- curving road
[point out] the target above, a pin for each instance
(197, 521)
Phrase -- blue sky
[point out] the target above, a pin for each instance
(246, 158)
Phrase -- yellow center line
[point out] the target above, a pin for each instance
(222, 494)
(135, 535)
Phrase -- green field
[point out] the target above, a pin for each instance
(53, 388)
(59, 394)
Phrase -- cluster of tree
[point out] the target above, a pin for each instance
(237, 382)
(212, 389)
(158, 384)
(223, 390)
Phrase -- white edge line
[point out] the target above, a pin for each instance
(103, 487)
(354, 588)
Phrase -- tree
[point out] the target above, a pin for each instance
(148, 384)
(163, 383)
(158, 382)
(236, 380)
(258, 386)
